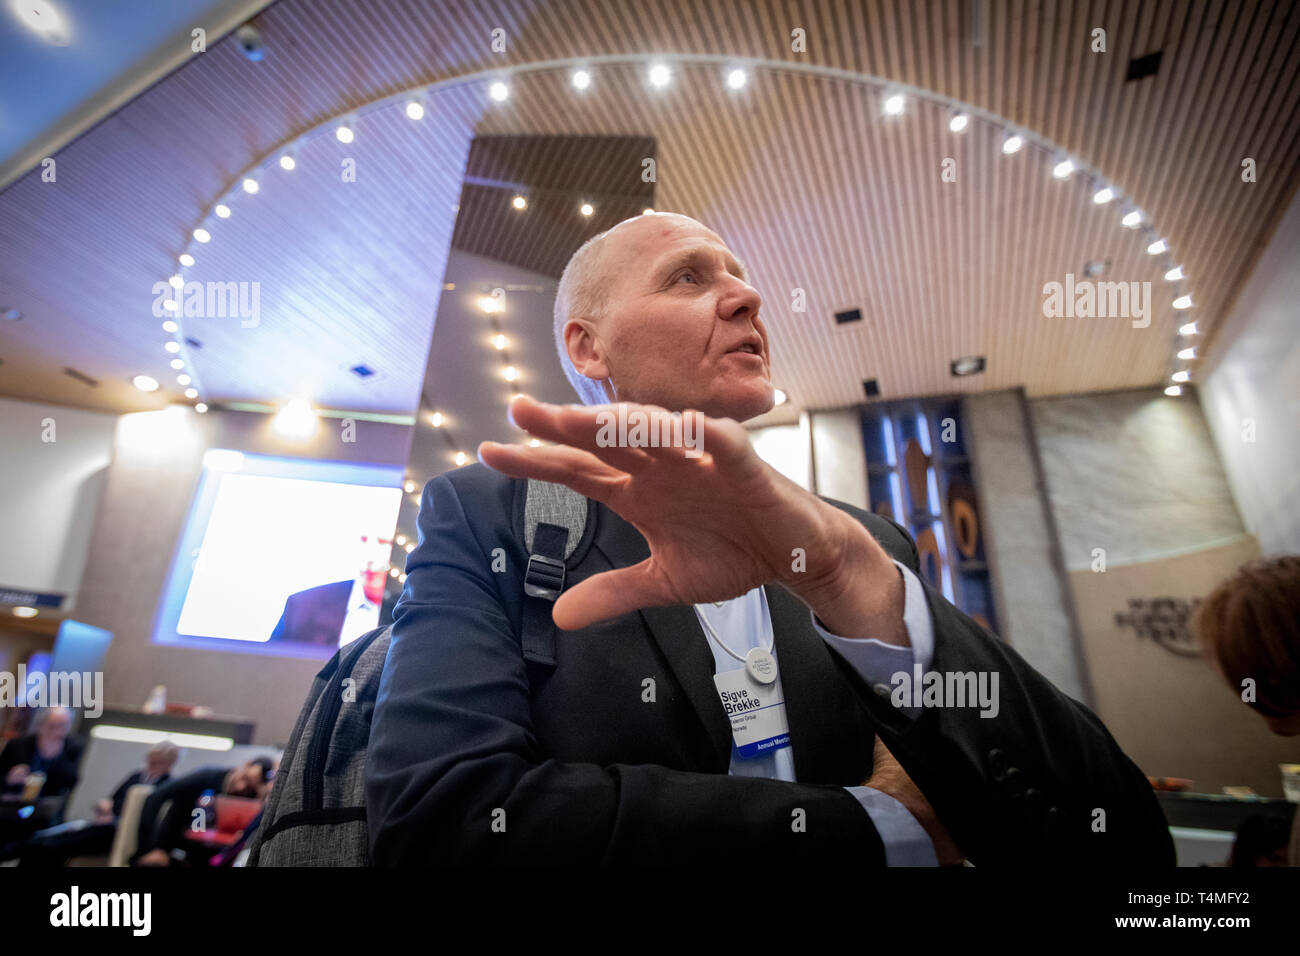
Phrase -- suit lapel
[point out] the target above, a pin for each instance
(677, 632)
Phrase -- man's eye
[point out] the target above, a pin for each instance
(686, 275)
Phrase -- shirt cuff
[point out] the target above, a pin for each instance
(906, 842)
(877, 661)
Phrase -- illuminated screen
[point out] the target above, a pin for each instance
(281, 556)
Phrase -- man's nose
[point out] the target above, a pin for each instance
(741, 301)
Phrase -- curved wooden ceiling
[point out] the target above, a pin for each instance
(800, 171)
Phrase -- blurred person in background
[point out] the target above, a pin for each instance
(49, 756)
(1250, 628)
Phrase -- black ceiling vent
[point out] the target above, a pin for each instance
(193, 343)
(1141, 67)
(81, 377)
(848, 315)
(362, 371)
(871, 387)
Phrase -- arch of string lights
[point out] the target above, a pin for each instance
(735, 74)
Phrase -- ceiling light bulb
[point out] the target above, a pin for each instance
(1174, 274)
(581, 79)
(499, 341)
(178, 363)
(959, 122)
(176, 282)
(1103, 195)
(534, 443)
(172, 347)
(344, 133)
(519, 202)
(499, 91)
(191, 393)
(169, 326)
(201, 408)
(511, 373)
(1182, 376)
(1183, 302)
(145, 384)
(1173, 391)
(1188, 329)
(1187, 354)
(170, 306)
(1157, 247)
(202, 235)
(287, 162)
(414, 111)
(1132, 219)
(647, 211)
(660, 75)
(1011, 144)
(586, 209)
(394, 572)
(736, 79)
(250, 185)
(186, 259)
(43, 19)
(297, 419)
(460, 458)
(894, 104)
(1063, 169)
(182, 379)
(25, 610)
(222, 210)
(437, 419)
(779, 396)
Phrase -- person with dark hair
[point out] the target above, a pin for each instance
(1249, 626)
(161, 840)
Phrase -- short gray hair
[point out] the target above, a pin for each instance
(583, 293)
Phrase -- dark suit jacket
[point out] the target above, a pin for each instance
(587, 771)
(314, 616)
(60, 774)
(164, 830)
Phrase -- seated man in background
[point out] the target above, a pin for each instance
(48, 756)
(162, 835)
(55, 846)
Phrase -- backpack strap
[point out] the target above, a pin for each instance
(555, 527)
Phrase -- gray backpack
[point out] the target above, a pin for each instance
(316, 812)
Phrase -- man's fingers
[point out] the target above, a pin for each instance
(607, 595)
(582, 471)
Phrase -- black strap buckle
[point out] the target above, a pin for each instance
(544, 577)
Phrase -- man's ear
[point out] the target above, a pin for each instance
(584, 351)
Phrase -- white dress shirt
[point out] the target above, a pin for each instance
(362, 614)
(745, 622)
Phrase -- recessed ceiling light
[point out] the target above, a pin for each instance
(1187, 354)
(250, 186)
(460, 458)
(647, 211)
(24, 610)
(287, 162)
(1132, 219)
(586, 209)
(511, 373)
(145, 384)
(1188, 329)
(1174, 274)
(170, 306)
(344, 133)
(182, 379)
(191, 393)
(581, 79)
(43, 19)
(222, 210)
(1103, 195)
(1182, 376)
(1012, 144)
(1095, 267)
(414, 111)
(894, 104)
(201, 407)
(178, 363)
(736, 79)
(534, 443)
(186, 259)
(490, 304)
(202, 235)
(1157, 247)
(172, 347)
(297, 419)
(660, 75)
(436, 419)
(967, 365)
(519, 202)
(169, 326)
(499, 341)
(499, 91)
(1063, 169)
(176, 282)
(959, 122)
(1173, 391)
(1183, 302)
(779, 396)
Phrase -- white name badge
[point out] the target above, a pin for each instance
(757, 713)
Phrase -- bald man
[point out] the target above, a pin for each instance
(730, 681)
